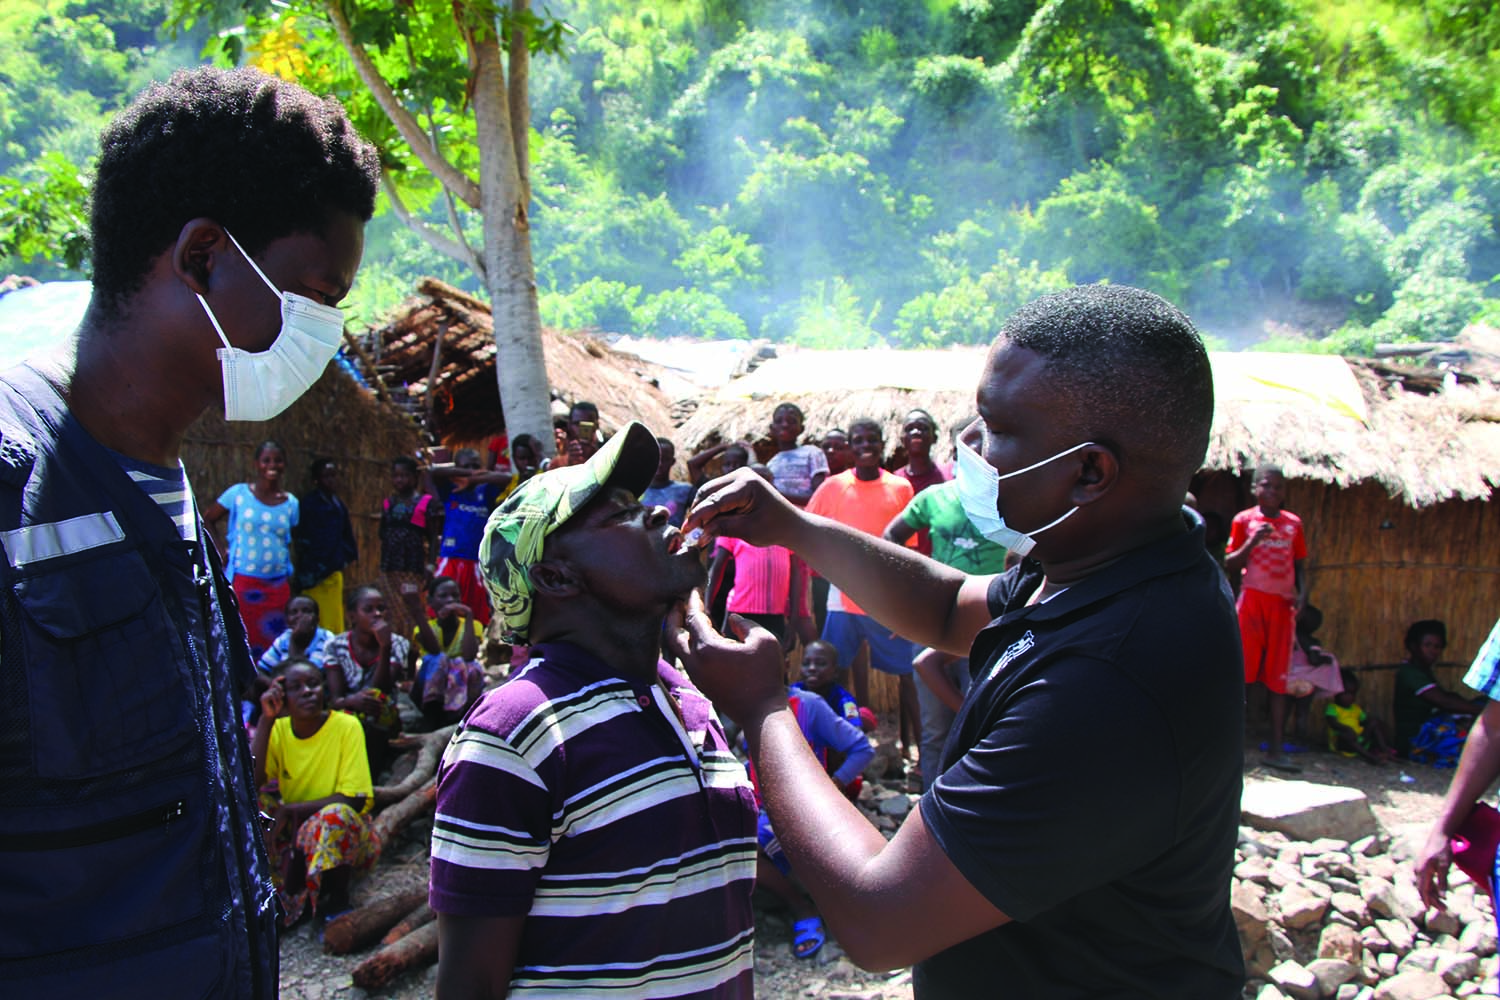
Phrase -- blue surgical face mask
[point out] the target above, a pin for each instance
(979, 489)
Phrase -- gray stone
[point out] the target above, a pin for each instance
(1283, 874)
(1331, 973)
(1478, 938)
(1295, 981)
(896, 806)
(1366, 846)
(1306, 811)
(1351, 905)
(1442, 922)
(1300, 907)
(1247, 903)
(1380, 895)
(1270, 992)
(1397, 933)
(1338, 941)
(1386, 962)
(1414, 985)
(1425, 959)
(1455, 967)
(1347, 992)
(1282, 944)
(1253, 869)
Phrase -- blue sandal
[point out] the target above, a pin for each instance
(807, 937)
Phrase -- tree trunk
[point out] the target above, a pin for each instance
(428, 755)
(390, 822)
(520, 368)
(416, 918)
(518, 98)
(363, 927)
(417, 950)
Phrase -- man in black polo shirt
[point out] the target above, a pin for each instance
(1079, 839)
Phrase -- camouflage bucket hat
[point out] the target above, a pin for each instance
(517, 529)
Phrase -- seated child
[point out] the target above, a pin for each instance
(304, 638)
(1350, 730)
(311, 766)
(820, 673)
(449, 678)
(1312, 672)
(826, 733)
(364, 665)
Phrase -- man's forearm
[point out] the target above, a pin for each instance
(1478, 768)
(827, 838)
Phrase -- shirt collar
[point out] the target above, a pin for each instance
(1168, 555)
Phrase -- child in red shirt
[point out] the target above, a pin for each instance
(1267, 549)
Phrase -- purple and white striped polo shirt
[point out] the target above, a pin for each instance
(624, 834)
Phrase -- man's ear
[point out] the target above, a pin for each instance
(199, 245)
(1099, 470)
(553, 578)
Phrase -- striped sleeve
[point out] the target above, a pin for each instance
(493, 831)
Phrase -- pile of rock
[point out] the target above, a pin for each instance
(1328, 918)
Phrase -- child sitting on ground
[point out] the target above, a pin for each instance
(364, 665)
(304, 638)
(827, 734)
(820, 676)
(449, 678)
(1350, 730)
(311, 766)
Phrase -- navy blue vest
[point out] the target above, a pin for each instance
(130, 857)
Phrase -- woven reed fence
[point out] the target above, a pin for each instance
(335, 419)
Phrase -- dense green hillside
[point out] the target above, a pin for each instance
(836, 172)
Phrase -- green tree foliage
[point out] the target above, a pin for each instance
(841, 173)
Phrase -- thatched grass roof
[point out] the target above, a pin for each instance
(459, 392)
(1333, 420)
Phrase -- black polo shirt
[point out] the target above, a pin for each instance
(1091, 785)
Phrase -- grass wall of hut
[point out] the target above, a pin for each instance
(1378, 565)
(336, 419)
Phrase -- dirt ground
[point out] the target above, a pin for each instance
(1404, 797)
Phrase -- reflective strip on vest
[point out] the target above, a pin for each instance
(39, 542)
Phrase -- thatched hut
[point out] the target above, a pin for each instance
(337, 418)
(440, 347)
(1391, 470)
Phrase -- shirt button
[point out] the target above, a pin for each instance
(644, 700)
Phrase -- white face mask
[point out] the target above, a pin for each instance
(979, 489)
(259, 386)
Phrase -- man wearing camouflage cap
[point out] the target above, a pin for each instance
(595, 836)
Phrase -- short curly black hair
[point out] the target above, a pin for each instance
(259, 155)
(1132, 373)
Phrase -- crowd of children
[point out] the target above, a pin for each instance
(332, 673)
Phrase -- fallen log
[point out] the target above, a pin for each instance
(428, 756)
(364, 926)
(419, 917)
(418, 803)
(415, 951)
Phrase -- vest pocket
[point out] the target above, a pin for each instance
(107, 676)
(132, 870)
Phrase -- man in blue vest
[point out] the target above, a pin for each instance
(228, 220)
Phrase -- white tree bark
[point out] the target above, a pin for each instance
(520, 367)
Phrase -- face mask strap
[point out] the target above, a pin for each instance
(215, 321)
(1038, 465)
(269, 283)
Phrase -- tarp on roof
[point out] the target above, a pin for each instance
(39, 317)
